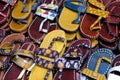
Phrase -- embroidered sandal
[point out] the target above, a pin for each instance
(70, 63)
(100, 58)
(53, 46)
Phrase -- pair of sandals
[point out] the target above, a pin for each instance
(21, 15)
(51, 55)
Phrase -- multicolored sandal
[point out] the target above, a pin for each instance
(89, 26)
(53, 46)
(72, 9)
(24, 55)
(41, 25)
(70, 63)
(100, 58)
(6, 51)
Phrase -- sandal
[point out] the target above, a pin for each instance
(20, 25)
(94, 9)
(72, 60)
(6, 51)
(74, 9)
(22, 8)
(109, 31)
(100, 58)
(41, 24)
(13, 37)
(25, 54)
(53, 46)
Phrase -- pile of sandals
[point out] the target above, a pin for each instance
(59, 40)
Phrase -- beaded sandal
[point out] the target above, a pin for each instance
(74, 9)
(71, 61)
(101, 60)
(89, 26)
(52, 47)
(22, 61)
(41, 25)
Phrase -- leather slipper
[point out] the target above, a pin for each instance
(70, 16)
(41, 24)
(89, 26)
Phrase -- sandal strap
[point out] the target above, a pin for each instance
(24, 9)
(47, 52)
(3, 53)
(97, 4)
(23, 21)
(21, 62)
(68, 64)
(56, 39)
(78, 8)
(43, 63)
(97, 12)
(16, 41)
(23, 52)
(3, 65)
(95, 74)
